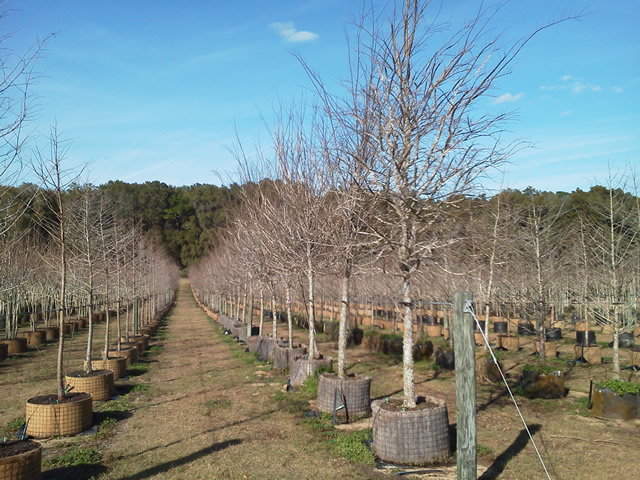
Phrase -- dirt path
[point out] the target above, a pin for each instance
(208, 414)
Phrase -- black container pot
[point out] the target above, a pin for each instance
(553, 333)
(625, 340)
(526, 329)
(482, 322)
(500, 327)
(429, 320)
(580, 340)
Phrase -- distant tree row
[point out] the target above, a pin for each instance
(185, 221)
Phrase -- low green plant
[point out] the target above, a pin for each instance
(321, 424)
(218, 403)
(621, 387)
(75, 456)
(580, 407)
(483, 450)
(15, 425)
(120, 404)
(106, 428)
(140, 387)
(353, 446)
(310, 384)
(544, 369)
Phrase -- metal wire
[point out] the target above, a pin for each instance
(468, 308)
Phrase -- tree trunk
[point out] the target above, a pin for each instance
(344, 324)
(407, 345)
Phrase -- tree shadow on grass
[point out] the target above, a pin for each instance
(499, 464)
(76, 472)
(166, 466)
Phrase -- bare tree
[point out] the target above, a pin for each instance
(49, 169)
(419, 103)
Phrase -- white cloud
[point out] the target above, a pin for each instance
(617, 90)
(289, 33)
(578, 87)
(509, 97)
(566, 113)
(566, 78)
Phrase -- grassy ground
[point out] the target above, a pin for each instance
(198, 407)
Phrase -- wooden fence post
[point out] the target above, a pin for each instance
(465, 364)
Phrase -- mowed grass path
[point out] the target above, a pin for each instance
(208, 414)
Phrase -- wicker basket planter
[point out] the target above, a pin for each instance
(144, 339)
(15, 345)
(300, 369)
(434, 330)
(82, 322)
(509, 342)
(20, 460)
(117, 364)
(634, 352)
(550, 348)
(130, 354)
(66, 328)
(591, 354)
(99, 383)
(36, 338)
(145, 331)
(266, 349)
(418, 436)
(353, 392)
(45, 418)
(52, 334)
(4, 351)
(282, 355)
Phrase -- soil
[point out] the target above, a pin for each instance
(17, 447)
(395, 404)
(83, 374)
(53, 398)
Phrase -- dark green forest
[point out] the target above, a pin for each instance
(186, 220)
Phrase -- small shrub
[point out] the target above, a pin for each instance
(353, 446)
(140, 387)
(15, 425)
(483, 450)
(310, 384)
(106, 428)
(75, 456)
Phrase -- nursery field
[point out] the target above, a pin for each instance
(197, 406)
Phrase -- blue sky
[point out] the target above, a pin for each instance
(154, 90)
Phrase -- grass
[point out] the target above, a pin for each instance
(218, 403)
(483, 450)
(75, 456)
(580, 408)
(354, 446)
(105, 429)
(139, 388)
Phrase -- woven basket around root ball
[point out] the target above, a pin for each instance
(99, 384)
(300, 369)
(52, 334)
(15, 345)
(129, 353)
(4, 351)
(353, 393)
(68, 418)
(21, 466)
(144, 339)
(36, 338)
(117, 364)
(282, 355)
(417, 436)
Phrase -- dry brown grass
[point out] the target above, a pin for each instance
(207, 412)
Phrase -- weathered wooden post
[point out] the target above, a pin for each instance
(465, 364)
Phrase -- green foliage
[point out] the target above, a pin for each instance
(15, 425)
(140, 387)
(621, 387)
(483, 450)
(105, 429)
(543, 369)
(293, 402)
(217, 403)
(75, 456)
(580, 407)
(352, 446)
(310, 384)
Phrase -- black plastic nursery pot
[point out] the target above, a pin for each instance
(526, 328)
(417, 436)
(580, 337)
(553, 333)
(625, 340)
(500, 327)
